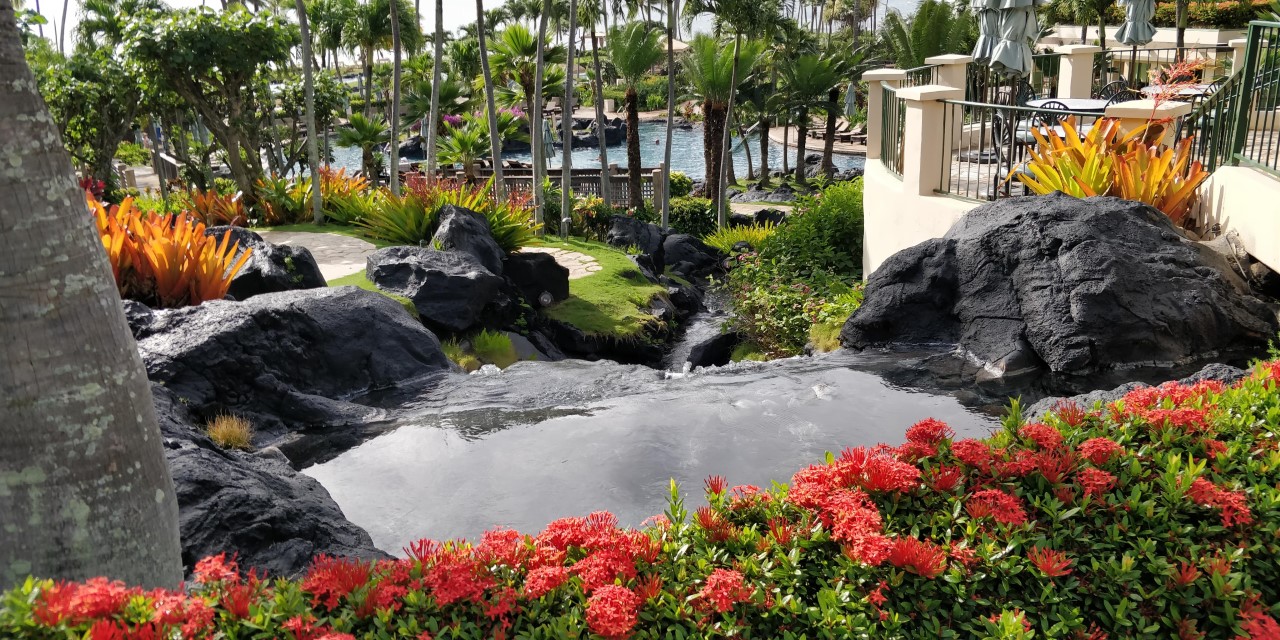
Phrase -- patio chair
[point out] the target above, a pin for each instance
(1125, 95)
(1047, 116)
(1006, 172)
(1109, 91)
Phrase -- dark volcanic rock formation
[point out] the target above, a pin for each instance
(271, 267)
(450, 289)
(467, 231)
(1065, 284)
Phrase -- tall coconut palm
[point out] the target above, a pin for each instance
(807, 80)
(495, 137)
(433, 124)
(367, 134)
(309, 90)
(671, 113)
(589, 14)
(515, 59)
(709, 76)
(535, 117)
(634, 50)
(368, 29)
(393, 165)
(87, 491)
(566, 162)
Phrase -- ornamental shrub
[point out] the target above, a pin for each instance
(1174, 533)
(133, 154)
(681, 184)
(691, 215)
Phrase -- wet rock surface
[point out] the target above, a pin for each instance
(450, 289)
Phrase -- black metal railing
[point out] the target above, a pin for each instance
(892, 122)
(920, 76)
(1134, 67)
(985, 145)
(1256, 134)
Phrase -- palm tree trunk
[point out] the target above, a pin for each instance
(713, 143)
(566, 120)
(393, 165)
(309, 89)
(802, 132)
(536, 119)
(495, 140)
(368, 82)
(671, 114)
(722, 183)
(434, 125)
(829, 139)
(746, 146)
(87, 490)
(633, 149)
(600, 122)
(786, 132)
(62, 29)
(763, 126)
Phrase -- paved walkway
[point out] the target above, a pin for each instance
(337, 255)
(752, 207)
(580, 265)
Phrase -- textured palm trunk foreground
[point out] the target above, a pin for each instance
(84, 487)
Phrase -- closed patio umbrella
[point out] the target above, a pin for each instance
(1017, 31)
(988, 14)
(1137, 29)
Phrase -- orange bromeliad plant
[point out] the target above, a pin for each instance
(1106, 161)
(165, 260)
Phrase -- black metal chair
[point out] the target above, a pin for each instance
(1110, 91)
(1126, 95)
(1001, 135)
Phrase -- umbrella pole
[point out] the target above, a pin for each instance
(1133, 68)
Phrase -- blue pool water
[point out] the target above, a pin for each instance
(686, 153)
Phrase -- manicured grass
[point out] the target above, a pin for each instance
(611, 302)
(311, 227)
(358, 279)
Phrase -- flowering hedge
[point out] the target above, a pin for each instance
(1153, 516)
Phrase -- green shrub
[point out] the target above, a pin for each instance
(133, 155)
(693, 216)
(755, 235)
(747, 352)
(824, 334)
(402, 220)
(655, 103)
(495, 348)
(681, 185)
(1151, 517)
(823, 233)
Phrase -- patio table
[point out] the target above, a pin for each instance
(1189, 91)
(1072, 104)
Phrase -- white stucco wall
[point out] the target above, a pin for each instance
(1246, 201)
(895, 220)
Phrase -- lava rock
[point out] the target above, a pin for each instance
(288, 359)
(450, 289)
(468, 232)
(690, 257)
(741, 220)
(626, 232)
(537, 273)
(686, 298)
(715, 351)
(271, 267)
(1078, 285)
(770, 216)
(1223, 373)
(138, 315)
(813, 158)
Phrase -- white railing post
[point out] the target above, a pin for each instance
(952, 70)
(1075, 73)
(875, 104)
(1237, 53)
(1136, 113)
(925, 153)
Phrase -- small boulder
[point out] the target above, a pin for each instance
(715, 351)
(770, 216)
(450, 289)
(535, 274)
(690, 257)
(741, 220)
(468, 232)
(271, 267)
(629, 232)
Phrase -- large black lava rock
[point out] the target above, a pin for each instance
(450, 289)
(1071, 285)
(252, 504)
(689, 256)
(271, 267)
(295, 358)
(537, 273)
(467, 231)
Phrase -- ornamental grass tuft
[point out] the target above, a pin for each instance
(1154, 516)
(230, 432)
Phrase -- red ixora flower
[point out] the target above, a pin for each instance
(1096, 481)
(1186, 574)
(217, 569)
(929, 432)
(1005, 508)
(974, 453)
(329, 579)
(1050, 562)
(716, 485)
(612, 611)
(725, 588)
(1099, 450)
(1234, 505)
(924, 559)
(76, 603)
(542, 580)
(1045, 436)
(944, 478)
(1069, 412)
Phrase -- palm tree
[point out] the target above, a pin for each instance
(450, 99)
(933, 30)
(309, 89)
(394, 164)
(464, 144)
(807, 81)
(566, 162)
(495, 138)
(709, 74)
(328, 18)
(671, 114)
(535, 116)
(433, 121)
(368, 134)
(634, 50)
(87, 490)
(464, 59)
(589, 14)
(515, 58)
(368, 29)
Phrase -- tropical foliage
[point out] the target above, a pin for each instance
(1153, 515)
(413, 216)
(165, 260)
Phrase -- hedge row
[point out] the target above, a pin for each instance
(1212, 15)
(1153, 516)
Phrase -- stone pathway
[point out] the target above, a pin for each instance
(337, 255)
(751, 207)
(580, 265)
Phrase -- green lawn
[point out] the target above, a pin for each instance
(311, 227)
(611, 302)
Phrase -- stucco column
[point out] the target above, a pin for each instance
(1136, 113)
(875, 104)
(952, 71)
(1237, 53)
(925, 153)
(1075, 75)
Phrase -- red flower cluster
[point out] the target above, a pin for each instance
(542, 580)
(1045, 436)
(1099, 450)
(716, 527)
(604, 566)
(1234, 505)
(919, 557)
(78, 603)
(612, 611)
(216, 569)
(1096, 481)
(975, 453)
(923, 439)
(725, 588)
(1050, 562)
(1005, 508)
(330, 579)
(944, 478)
(715, 485)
